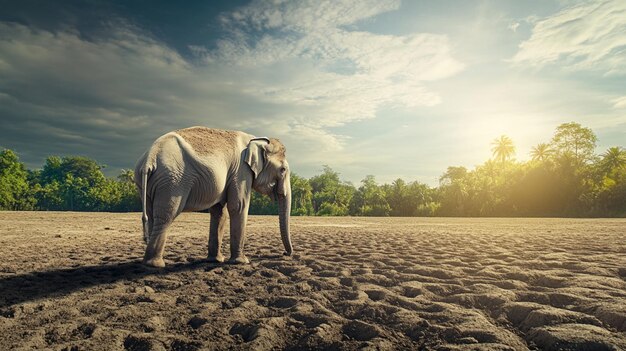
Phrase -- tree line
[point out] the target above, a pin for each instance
(563, 178)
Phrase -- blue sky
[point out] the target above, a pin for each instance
(389, 88)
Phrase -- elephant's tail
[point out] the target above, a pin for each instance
(144, 215)
(144, 168)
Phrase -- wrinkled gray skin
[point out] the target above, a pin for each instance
(200, 168)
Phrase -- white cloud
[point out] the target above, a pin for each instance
(294, 71)
(329, 74)
(106, 98)
(619, 102)
(306, 15)
(587, 36)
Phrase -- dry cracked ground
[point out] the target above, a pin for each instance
(73, 281)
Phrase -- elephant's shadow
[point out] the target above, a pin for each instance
(59, 282)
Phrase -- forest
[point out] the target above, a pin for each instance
(563, 178)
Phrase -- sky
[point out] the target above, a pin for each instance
(396, 89)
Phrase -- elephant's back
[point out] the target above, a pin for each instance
(208, 141)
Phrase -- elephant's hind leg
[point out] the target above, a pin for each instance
(216, 232)
(164, 210)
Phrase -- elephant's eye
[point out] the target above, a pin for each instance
(283, 170)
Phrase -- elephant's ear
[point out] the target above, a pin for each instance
(254, 155)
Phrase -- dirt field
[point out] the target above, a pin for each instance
(73, 281)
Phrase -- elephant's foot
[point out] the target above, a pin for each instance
(216, 259)
(154, 262)
(241, 259)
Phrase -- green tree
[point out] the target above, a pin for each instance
(262, 205)
(51, 171)
(77, 194)
(84, 168)
(331, 196)
(412, 199)
(15, 191)
(128, 199)
(399, 199)
(78, 166)
(541, 152)
(453, 174)
(613, 159)
(50, 196)
(490, 187)
(76, 183)
(453, 190)
(610, 198)
(369, 199)
(301, 196)
(332, 209)
(502, 148)
(126, 176)
(538, 191)
(571, 140)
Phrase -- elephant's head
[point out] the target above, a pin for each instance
(266, 158)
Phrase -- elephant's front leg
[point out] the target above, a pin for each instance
(238, 210)
(216, 232)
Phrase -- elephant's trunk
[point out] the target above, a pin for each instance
(284, 208)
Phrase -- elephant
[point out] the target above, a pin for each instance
(200, 168)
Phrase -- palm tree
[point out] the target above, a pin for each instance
(613, 158)
(541, 152)
(502, 148)
(452, 175)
